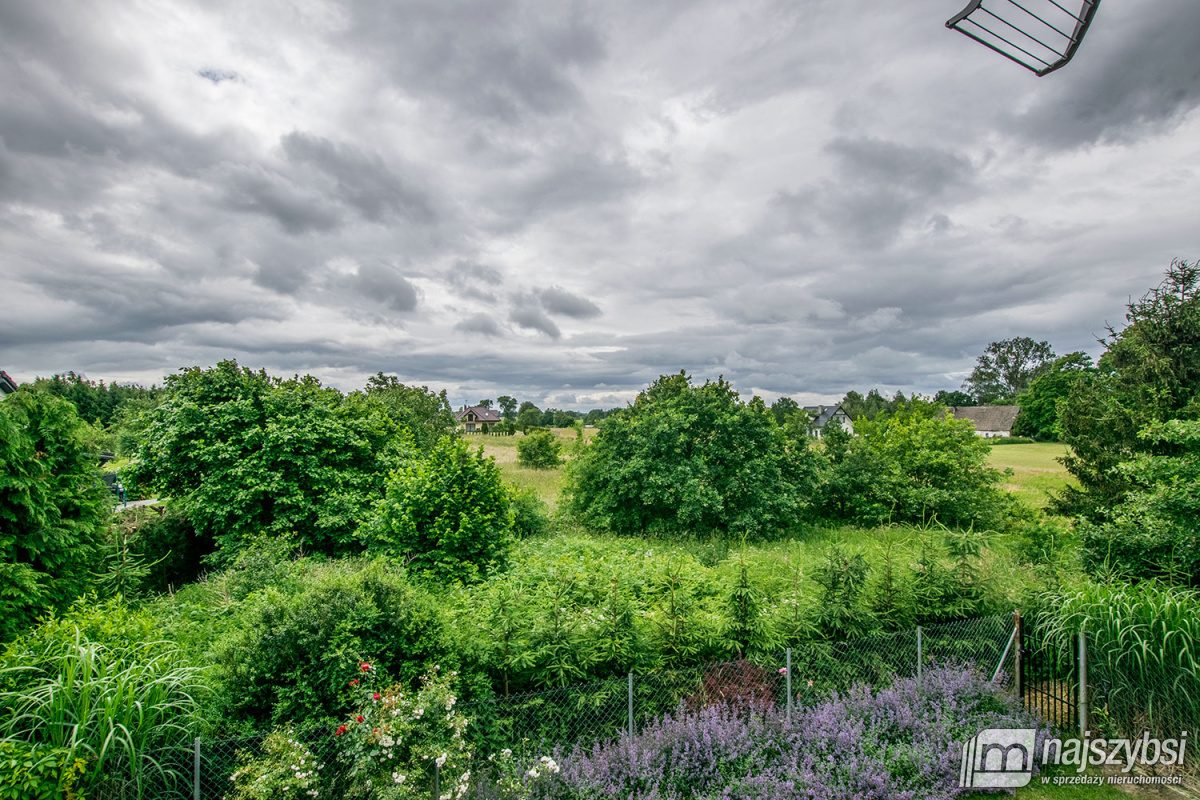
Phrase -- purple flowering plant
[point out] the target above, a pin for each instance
(896, 743)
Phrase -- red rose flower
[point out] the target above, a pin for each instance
(341, 729)
(375, 697)
(365, 667)
(361, 718)
(354, 682)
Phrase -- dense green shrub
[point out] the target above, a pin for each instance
(1152, 532)
(37, 772)
(686, 459)
(539, 449)
(1003, 440)
(447, 515)
(244, 453)
(54, 512)
(917, 465)
(284, 657)
(530, 514)
(153, 549)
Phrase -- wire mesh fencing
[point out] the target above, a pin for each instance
(533, 723)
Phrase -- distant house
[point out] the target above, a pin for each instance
(7, 384)
(824, 415)
(477, 419)
(989, 421)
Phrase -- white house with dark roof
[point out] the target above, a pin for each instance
(477, 419)
(824, 415)
(990, 421)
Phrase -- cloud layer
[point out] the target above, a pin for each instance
(563, 201)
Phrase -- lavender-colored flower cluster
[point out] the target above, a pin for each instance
(896, 743)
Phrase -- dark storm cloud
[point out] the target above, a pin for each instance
(262, 191)
(557, 300)
(361, 179)
(534, 319)
(474, 280)
(479, 323)
(1137, 69)
(386, 285)
(878, 188)
(488, 60)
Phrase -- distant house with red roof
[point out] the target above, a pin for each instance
(477, 419)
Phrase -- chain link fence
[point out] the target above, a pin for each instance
(533, 723)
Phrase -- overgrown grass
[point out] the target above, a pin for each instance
(1037, 472)
(547, 483)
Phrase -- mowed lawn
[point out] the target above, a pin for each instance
(1036, 470)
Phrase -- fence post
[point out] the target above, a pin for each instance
(789, 686)
(1020, 643)
(437, 780)
(196, 769)
(919, 653)
(631, 707)
(1083, 693)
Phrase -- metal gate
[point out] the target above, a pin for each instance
(1049, 682)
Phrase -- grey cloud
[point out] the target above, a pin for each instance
(217, 75)
(1137, 69)
(254, 188)
(479, 323)
(362, 180)
(535, 319)
(557, 300)
(498, 61)
(386, 285)
(474, 280)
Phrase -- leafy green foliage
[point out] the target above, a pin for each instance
(291, 651)
(94, 401)
(840, 614)
(686, 459)
(154, 549)
(447, 515)
(1152, 532)
(1150, 373)
(530, 514)
(539, 449)
(244, 453)
(872, 406)
(425, 415)
(1040, 402)
(283, 768)
(36, 772)
(913, 466)
(1006, 369)
(54, 512)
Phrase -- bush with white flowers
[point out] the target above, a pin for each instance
(284, 769)
(391, 746)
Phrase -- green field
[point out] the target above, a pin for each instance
(1036, 470)
(546, 482)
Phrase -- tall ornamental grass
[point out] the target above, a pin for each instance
(127, 718)
(1142, 649)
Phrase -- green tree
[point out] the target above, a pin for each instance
(783, 408)
(448, 515)
(426, 415)
(540, 450)
(1006, 369)
(1040, 402)
(686, 459)
(485, 403)
(508, 406)
(54, 513)
(530, 417)
(955, 398)
(1152, 532)
(1149, 373)
(842, 577)
(244, 453)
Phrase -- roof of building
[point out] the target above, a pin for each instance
(822, 414)
(7, 384)
(987, 418)
(481, 414)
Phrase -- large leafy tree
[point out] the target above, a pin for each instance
(1150, 373)
(425, 414)
(54, 512)
(1040, 403)
(247, 453)
(689, 459)
(1006, 369)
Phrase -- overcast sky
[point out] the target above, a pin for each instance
(562, 201)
